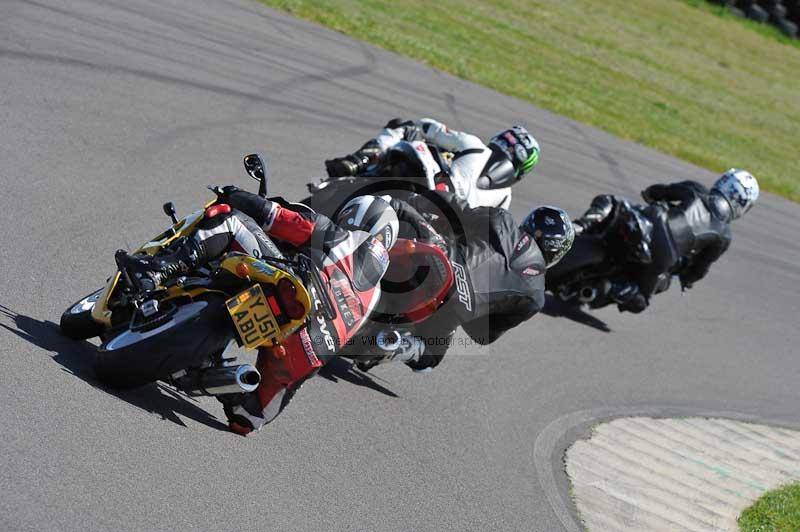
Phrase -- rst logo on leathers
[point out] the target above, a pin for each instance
(462, 287)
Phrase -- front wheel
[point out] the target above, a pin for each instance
(77, 322)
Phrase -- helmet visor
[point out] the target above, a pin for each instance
(554, 248)
(370, 262)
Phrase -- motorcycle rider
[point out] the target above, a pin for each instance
(691, 230)
(508, 157)
(499, 268)
(352, 255)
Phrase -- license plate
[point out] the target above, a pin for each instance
(252, 317)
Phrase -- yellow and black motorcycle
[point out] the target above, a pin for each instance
(178, 332)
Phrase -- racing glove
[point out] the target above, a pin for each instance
(411, 130)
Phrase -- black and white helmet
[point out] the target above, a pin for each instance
(519, 146)
(373, 215)
(739, 188)
(552, 230)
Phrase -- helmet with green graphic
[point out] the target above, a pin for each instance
(519, 146)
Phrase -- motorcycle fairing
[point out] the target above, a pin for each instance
(258, 270)
(418, 156)
(100, 312)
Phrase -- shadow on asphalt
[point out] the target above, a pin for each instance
(75, 357)
(342, 369)
(556, 308)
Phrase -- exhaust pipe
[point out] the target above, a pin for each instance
(388, 340)
(587, 294)
(219, 381)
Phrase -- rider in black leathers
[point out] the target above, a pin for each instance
(499, 267)
(691, 230)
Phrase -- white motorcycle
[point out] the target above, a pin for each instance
(414, 166)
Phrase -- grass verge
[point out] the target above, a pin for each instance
(671, 75)
(776, 511)
(768, 30)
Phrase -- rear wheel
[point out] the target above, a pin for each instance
(185, 339)
(77, 322)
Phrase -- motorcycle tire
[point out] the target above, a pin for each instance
(192, 334)
(77, 323)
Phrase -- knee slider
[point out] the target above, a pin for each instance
(215, 215)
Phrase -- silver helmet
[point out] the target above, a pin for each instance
(371, 214)
(739, 188)
(375, 216)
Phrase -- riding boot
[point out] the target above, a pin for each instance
(355, 163)
(628, 297)
(154, 270)
(596, 216)
(254, 410)
(283, 370)
(623, 291)
(391, 346)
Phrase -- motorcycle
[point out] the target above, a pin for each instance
(179, 332)
(407, 167)
(584, 276)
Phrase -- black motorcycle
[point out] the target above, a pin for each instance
(606, 254)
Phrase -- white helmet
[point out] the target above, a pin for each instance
(373, 215)
(739, 188)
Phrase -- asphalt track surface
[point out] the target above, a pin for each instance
(110, 108)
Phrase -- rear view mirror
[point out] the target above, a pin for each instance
(256, 167)
(169, 210)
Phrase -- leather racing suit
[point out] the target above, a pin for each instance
(332, 249)
(699, 226)
(499, 271)
(691, 230)
(471, 157)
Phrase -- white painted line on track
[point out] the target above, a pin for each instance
(693, 474)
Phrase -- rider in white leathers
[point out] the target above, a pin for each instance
(480, 174)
